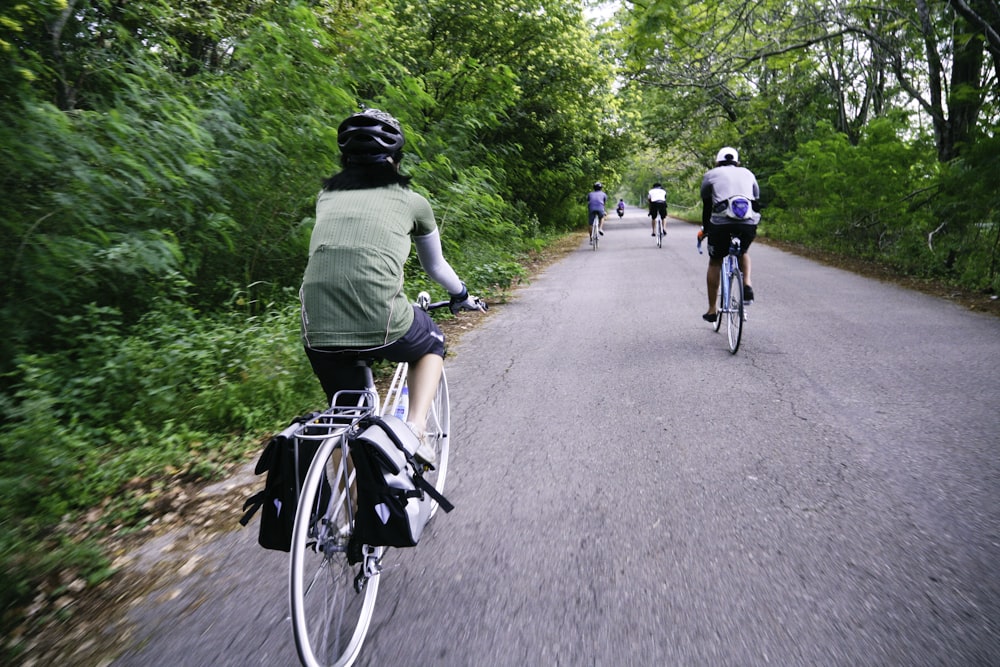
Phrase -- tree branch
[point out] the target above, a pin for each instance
(991, 32)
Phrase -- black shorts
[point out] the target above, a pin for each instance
(658, 207)
(718, 237)
(334, 366)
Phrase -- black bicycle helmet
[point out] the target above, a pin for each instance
(598, 185)
(370, 136)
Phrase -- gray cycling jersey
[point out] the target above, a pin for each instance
(722, 183)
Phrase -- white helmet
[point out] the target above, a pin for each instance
(727, 154)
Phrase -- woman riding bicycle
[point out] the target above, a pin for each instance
(352, 298)
(730, 203)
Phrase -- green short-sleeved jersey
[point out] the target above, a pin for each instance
(352, 290)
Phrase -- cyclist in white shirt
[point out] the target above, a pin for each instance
(657, 205)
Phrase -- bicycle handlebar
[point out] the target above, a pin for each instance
(424, 302)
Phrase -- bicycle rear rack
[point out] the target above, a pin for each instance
(349, 407)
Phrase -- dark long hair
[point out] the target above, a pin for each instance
(362, 176)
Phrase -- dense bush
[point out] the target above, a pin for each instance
(888, 199)
(179, 394)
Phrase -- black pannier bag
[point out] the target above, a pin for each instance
(394, 499)
(286, 461)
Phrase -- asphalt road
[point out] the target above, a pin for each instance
(629, 493)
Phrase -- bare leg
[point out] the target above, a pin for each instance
(422, 379)
(712, 279)
(745, 268)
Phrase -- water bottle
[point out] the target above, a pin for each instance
(404, 403)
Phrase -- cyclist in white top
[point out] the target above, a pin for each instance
(657, 205)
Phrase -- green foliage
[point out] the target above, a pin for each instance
(888, 199)
(125, 410)
(965, 242)
(820, 102)
(126, 199)
(510, 91)
(862, 200)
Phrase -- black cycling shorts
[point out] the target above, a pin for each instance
(658, 207)
(423, 337)
(718, 237)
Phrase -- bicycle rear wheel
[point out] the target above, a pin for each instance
(595, 226)
(659, 233)
(331, 599)
(735, 320)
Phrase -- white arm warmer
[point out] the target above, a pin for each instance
(434, 263)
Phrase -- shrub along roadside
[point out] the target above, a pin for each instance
(104, 423)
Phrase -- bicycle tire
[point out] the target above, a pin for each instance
(595, 235)
(734, 325)
(330, 617)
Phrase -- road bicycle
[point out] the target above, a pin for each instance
(333, 582)
(660, 231)
(595, 230)
(731, 306)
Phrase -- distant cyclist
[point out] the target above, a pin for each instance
(596, 202)
(657, 205)
(730, 200)
(621, 208)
